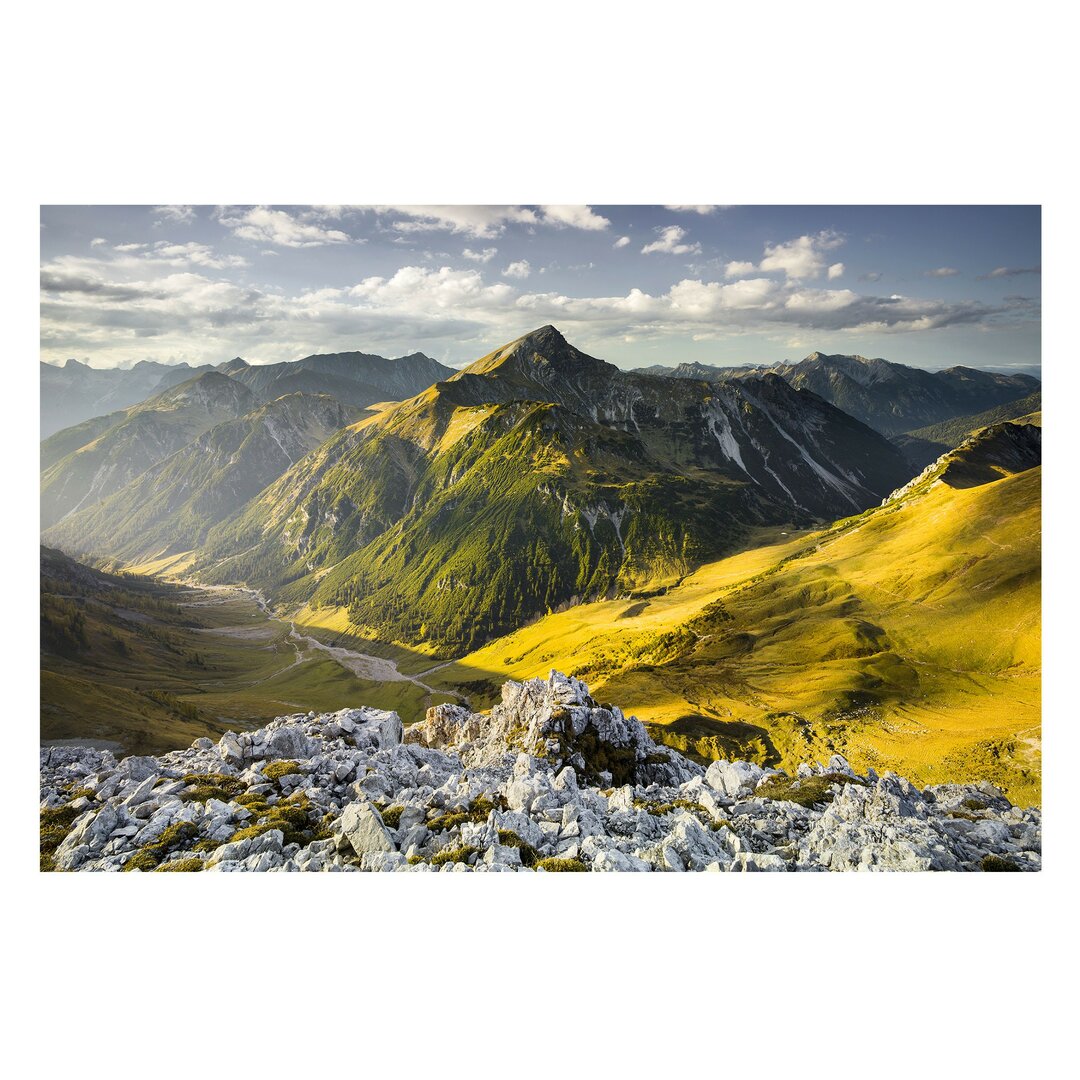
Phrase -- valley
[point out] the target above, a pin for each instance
(145, 665)
(742, 564)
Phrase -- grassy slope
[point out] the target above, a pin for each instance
(907, 638)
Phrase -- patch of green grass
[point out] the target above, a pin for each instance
(174, 838)
(996, 864)
(275, 770)
(454, 855)
(54, 825)
(292, 817)
(206, 786)
(561, 866)
(529, 855)
(808, 791)
(181, 866)
(477, 811)
(392, 816)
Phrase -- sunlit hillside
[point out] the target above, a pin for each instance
(906, 638)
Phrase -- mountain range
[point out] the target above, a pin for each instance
(891, 398)
(738, 553)
(171, 505)
(77, 392)
(537, 477)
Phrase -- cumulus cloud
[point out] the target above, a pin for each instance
(484, 256)
(193, 254)
(738, 269)
(415, 289)
(479, 222)
(1009, 271)
(679, 209)
(487, 222)
(266, 225)
(173, 215)
(835, 271)
(621, 242)
(801, 258)
(98, 241)
(941, 271)
(574, 217)
(670, 242)
(520, 269)
(160, 303)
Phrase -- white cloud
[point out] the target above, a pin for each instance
(265, 225)
(484, 256)
(941, 271)
(479, 222)
(670, 243)
(193, 254)
(737, 269)
(173, 215)
(520, 269)
(574, 217)
(416, 289)
(160, 304)
(803, 257)
(128, 247)
(1010, 271)
(487, 222)
(98, 241)
(680, 209)
(621, 242)
(835, 271)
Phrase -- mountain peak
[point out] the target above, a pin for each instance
(544, 335)
(544, 347)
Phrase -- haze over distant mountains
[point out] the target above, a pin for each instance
(77, 392)
(891, 398)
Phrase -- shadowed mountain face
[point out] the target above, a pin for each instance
(988, 455)
(925, 445)
(891, 398)
(538, 476)
(76, 392)
(170, 507)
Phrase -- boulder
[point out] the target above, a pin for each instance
(361, 828)
(733, 779)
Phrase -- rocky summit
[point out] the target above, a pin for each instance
(550, 780)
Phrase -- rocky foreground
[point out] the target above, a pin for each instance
(550, 780)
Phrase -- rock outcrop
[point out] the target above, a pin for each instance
(549, 781)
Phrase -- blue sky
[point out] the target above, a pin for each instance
(636, 285)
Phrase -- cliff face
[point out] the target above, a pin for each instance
(549, 781)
